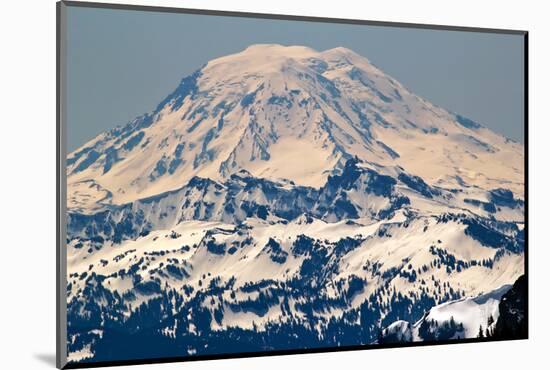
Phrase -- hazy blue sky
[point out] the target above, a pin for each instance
(123, 63)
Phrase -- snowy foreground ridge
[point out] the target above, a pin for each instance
(284, 198)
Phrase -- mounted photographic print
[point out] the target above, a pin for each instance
(235, 184)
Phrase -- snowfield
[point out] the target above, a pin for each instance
(473, 316)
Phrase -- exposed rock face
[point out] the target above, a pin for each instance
(512, 321)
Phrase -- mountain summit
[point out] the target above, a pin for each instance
(292, 113)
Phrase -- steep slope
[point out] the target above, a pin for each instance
(359, 192)
(470, 317)
(287, 113)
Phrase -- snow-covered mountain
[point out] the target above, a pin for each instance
(288, 113)
(285, 198)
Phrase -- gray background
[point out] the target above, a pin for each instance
(122, 63)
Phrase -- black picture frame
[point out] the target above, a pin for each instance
(61, 256)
